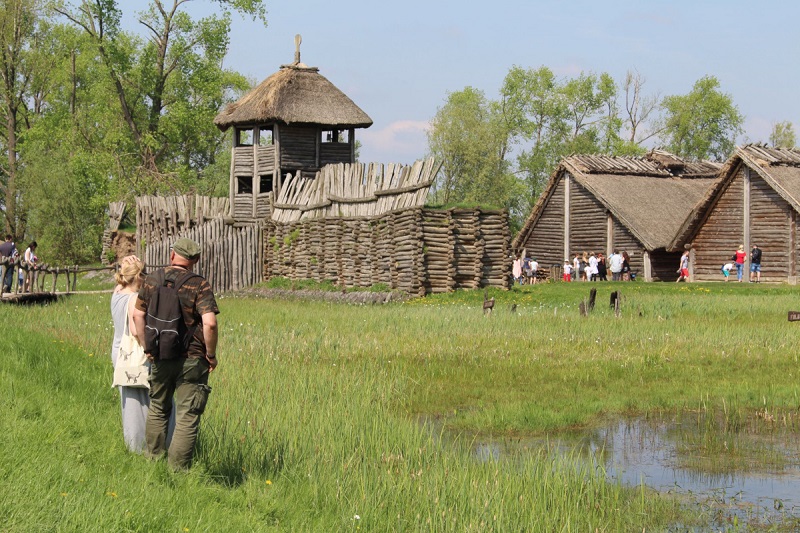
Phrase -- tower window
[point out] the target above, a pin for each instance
(265, 137)
(265, 183)
(244, 185)
(244, 137)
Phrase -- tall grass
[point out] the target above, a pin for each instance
(312, 424)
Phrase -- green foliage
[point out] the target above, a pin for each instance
(702, 124)
(783, 135)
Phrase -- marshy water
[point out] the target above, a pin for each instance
(745, 473)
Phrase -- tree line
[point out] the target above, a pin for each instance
(501, 151)
(95, 113)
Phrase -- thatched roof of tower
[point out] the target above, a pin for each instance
(296, 94)
(651, 195)
(779, 167)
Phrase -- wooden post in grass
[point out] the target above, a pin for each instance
(615, 302)
(488, 303)
(592, 298)
(794, 316)
(583, 308)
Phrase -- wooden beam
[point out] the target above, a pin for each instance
(609, 234)
(232, 183)
(648, 272)
(567, 182)
(746, 207)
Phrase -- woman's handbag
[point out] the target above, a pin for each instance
(132, 368)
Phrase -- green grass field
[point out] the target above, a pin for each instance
(313, 424)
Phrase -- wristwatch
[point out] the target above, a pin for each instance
(210, 356)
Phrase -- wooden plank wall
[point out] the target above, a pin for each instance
(231, 257)
(770, 227)
(546, 241)
(298, 147)
(722, 232)
(418, 250)
(332, 153)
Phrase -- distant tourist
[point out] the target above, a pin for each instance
(683, 269)
(576, 266)
(9, 251)
(31, 260)
(626, 266)
(739, 258)
(567, 271)
(726, 269)
(615, 266)
(526, 269)
(592, 268)
(516, 270)
(534, 270)
(755, 264)
(183, 375)
(602, 271)
(584, 267)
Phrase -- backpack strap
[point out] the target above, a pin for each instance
(183, 278)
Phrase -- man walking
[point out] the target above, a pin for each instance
(755, 264)
(185, 376)
(8, 250)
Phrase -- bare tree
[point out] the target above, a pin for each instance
(639, 108)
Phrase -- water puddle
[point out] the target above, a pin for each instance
(750, 475)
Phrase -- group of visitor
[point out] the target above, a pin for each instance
(524, 270)
(591, 266)
(9, 252)
(737, 261)
(165, 419)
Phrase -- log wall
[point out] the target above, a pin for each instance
(546, 241)
(625, 241)
(722, 231)
(588, 222)
(418, 251)
(770, 227)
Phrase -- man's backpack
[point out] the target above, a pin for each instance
(165, 331)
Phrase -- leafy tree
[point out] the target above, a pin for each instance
(168, 87)
(23, 69)
(702, 124)
(782, 135)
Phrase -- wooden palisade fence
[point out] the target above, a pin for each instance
(231, 256)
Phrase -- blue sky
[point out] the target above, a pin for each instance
(398, 60)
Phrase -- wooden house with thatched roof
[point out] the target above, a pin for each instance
(755, 201)
(602, 203)
(294, 122)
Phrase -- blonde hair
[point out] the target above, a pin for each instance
(129, 272)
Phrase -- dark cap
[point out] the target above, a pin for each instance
(187, 249)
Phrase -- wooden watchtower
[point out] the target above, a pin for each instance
(295, 121)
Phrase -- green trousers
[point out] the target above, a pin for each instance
(187, 380)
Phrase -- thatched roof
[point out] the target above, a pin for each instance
(779, 167)
(651, 196)
(296, 94)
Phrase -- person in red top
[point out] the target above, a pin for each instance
(739, 258)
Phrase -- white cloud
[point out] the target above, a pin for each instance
(401, 141)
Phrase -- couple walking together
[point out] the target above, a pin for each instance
(148, 416)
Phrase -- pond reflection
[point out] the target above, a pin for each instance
(754, 476)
